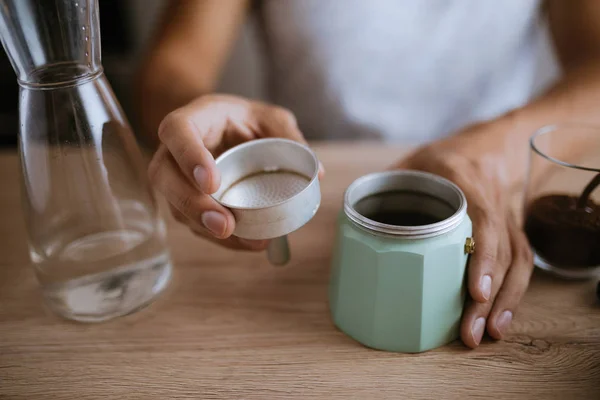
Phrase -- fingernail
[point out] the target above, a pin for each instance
(477, 330)
(202, 178)
(503, 321)
(486, 286)
(215, 222)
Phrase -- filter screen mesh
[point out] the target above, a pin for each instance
(264, 189)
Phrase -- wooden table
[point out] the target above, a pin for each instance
(231, 326)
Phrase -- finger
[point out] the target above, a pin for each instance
(189, 201)
(273, 121)
(476, 314)
(179, 217)
(184, 140)
(195, 132)
(484, 261)
(486, 225)
(472, 325)
(233, 242)
(212, 124)
(515, 284)
(491, 271)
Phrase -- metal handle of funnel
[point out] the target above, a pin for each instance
(278, 251)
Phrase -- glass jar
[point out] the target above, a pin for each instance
(562, 200)
(97, 242)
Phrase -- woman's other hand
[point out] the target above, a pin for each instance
(500, 269)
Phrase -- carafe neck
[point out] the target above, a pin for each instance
(51, 42)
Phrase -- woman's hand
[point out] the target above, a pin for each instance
(499, 270)
(183, 169)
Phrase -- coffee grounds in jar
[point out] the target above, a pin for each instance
(564, 231)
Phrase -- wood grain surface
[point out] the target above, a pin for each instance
(230, 326)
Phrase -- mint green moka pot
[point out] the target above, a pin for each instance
(398, 274)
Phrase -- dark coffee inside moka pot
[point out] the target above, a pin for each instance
(564, 229)
(405, 204)
(404, 208)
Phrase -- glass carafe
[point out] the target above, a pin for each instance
(97, 242)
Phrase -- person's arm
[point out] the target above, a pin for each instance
(488, 159)
(186, 57)
(575, 28)
(189, 124)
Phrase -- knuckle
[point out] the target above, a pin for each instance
(190, 206)
(285, 116)
(453, 165)
(484, 167)
(487, 220)
(182, 153)
(479, 309)
(179, 217)
(453, 174)
(504, 260)
(169, 124)
(512, 293)
(524, 255)
(518, 292)
(154, 171)
(487, 256)
(504, 256)
(186, 205)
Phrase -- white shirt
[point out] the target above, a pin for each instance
(405, 70)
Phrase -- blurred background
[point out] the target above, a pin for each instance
(126, 27)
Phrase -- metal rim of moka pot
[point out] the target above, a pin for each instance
(409, 181)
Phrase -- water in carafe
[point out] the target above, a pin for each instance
(97, 241)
